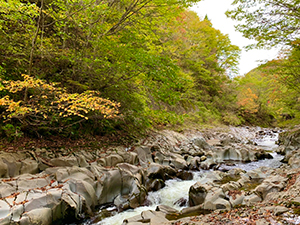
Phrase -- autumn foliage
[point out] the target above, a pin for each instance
(36, 103)
(247, 100)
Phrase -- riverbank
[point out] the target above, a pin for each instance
(273, 197)
(66, 184)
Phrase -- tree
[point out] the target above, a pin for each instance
(289, 68)
(201, 51)
(49, 107)
(269, 22)
(104, 46)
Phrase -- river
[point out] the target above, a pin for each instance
(178, 189)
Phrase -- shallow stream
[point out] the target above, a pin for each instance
(178, 190)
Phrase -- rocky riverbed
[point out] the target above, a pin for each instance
(40, 186)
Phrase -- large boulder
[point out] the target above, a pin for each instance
(197, 194)
(201, 143)
(29, 166)
(145, 155)
(86, 192)
(290, 138)
(216, 199)
(270, 184)
(113, 159)
(69, 193)
(159, 216)
(3, 169)
(212, 197)
(123, 184)
(250, 200)
(147, 217)
(294, 159)
(13, 164)
(39, 216)
(64, 161)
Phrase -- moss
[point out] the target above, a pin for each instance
(176, 216)
(297, 211)
(295, 203)
(227, 179)
(250, 185)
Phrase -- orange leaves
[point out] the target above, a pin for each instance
(247, 99)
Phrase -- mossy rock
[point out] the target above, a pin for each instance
(226, 179)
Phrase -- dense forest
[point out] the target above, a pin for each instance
(74, 67)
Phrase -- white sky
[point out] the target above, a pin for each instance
(215, 10)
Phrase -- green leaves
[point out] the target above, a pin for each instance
(152, 57)
(269, 22)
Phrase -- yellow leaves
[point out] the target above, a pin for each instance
(28, 82)
(46, 100)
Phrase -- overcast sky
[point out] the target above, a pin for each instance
(215, 10)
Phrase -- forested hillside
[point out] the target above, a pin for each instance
(270, 93)
(73, 67)
(101, 66)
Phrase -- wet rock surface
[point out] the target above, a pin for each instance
(42, 187)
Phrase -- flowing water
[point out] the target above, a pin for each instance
(174, 190)
(266, 142)
(177, 189)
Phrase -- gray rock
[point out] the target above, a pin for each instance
(13, 166)
(197, 194)
(262, 222)
(194, 162)
(251, 199)
(147, 217)
(215, 199)
(277, 210)
(201, 143)
(66, 161)
(270, 184)
(85, 190)
(40, 216)
(111, 186)
(144, 155)
(130, 157)
(82, 161)
(6, 189)
(156, 171)
(17, 211)
(5, 209)
(29, 166)
(113, 160)
(38, 199)
(31, 182)
(3, 169)
(236, 200)
(177, 162)
(232, 154)
(166, 209)
(294, 160)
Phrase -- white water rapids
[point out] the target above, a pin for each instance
(174, 190)
(177, 189)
